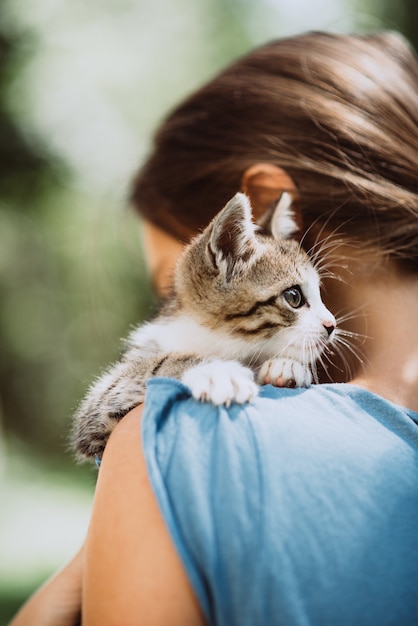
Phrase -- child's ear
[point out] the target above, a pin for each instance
(264, 184)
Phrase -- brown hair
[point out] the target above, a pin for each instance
(338, 112)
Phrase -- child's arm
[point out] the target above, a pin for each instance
(133, 574)
(58, 601)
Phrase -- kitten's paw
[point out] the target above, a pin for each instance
(221, 382)
(283, 372)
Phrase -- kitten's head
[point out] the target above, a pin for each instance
(257, 286)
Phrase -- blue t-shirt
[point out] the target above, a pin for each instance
(301, 508)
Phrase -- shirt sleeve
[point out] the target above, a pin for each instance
(189, 451)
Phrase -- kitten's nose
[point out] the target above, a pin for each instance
(329, 327)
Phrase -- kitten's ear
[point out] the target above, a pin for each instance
(232, 241)
(285, 220)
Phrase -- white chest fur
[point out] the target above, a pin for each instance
(184, 334)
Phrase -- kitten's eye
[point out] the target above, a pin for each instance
(294, 297)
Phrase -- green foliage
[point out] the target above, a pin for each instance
(401, 15)
(25, 169)
(11, 599)
(72, 277)
(70, 286)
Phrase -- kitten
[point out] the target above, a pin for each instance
(245, 304)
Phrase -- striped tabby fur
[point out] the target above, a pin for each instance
(246, 307)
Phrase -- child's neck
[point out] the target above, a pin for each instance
(391, 350)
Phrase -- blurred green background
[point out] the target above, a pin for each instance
(82, 86)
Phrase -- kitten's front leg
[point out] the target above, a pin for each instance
(115, 393)
(284, 372)
(221, 382)
(109, 399)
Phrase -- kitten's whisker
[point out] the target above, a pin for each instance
(341, 341)
(323, 226)
(361, 337)
(343, 348)
(324, 264)
(352, 313)
(322, 360)
(346, 366)
(313, 363)
(323, 245)
(330, 271)
(325, 252)
(327, 356)
(330, 237)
